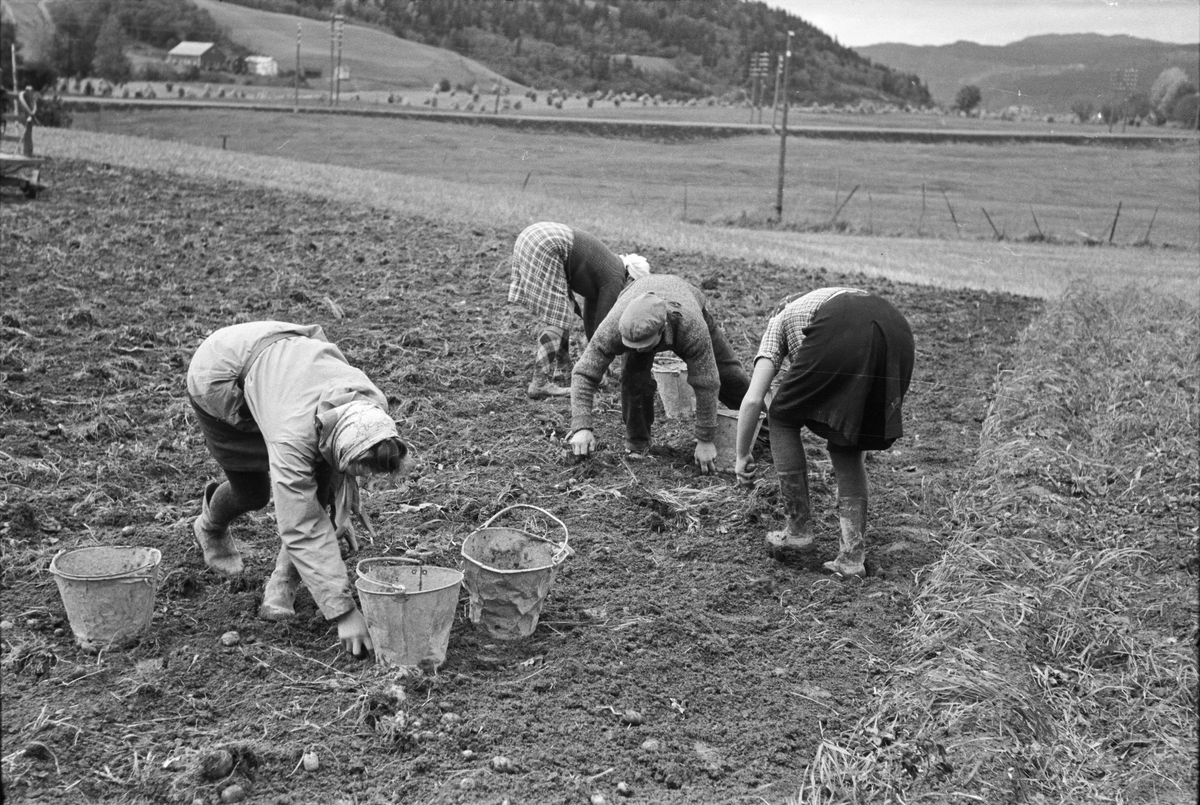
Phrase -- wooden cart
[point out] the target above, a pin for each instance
(23, 173)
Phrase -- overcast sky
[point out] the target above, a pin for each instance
(994, 22)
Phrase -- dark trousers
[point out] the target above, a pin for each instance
(242, 455)
(638, 386)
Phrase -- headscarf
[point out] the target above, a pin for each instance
(635, 265)
(347, 427)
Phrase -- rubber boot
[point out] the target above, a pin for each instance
(852, 513)
(796, 537)
(219, 549)
(542, 387)
(544, 359)
(279, 596)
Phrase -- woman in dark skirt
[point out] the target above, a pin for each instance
(850, 360)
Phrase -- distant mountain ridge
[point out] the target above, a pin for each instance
(1048, 73)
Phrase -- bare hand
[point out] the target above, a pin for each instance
(347, 542)
(745, 469)
(353, 634)
(583, 443)
(706, 457)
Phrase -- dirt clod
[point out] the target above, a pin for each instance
(215, 764)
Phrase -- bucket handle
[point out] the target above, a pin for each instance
(391, 589)
(142, 573)
(564, 550)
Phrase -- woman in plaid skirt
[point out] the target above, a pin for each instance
(551, 265)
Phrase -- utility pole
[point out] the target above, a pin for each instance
(753, 84)
(775, 101)
(787, 58)
(332, 41)
(340, 28)
(296, 99)
(764, 70)
(759, 65)
(17, 85)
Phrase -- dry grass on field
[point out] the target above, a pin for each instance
(1052, 650)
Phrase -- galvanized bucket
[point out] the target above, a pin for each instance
(726, 438)
(508, 574)
(409, 610)
(670, 375)
(108, 592)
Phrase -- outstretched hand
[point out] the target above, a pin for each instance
(353, 634)
(746, 470)
(706, 457)
(583, 443)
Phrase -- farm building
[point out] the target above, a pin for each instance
(202, 55)
(262, 65)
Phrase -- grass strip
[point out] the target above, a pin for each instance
(1051, 655)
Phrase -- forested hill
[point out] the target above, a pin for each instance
(675, 48)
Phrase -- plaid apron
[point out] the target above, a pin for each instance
(539, 275)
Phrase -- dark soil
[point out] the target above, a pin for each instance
(674, 662)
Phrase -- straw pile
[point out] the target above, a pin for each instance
(1051, 653)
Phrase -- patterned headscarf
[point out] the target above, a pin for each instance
(347, 428)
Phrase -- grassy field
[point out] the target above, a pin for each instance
(645, 195)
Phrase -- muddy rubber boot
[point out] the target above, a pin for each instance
(219, 549)
(852, 513)
(545, 358)
(279, 596)
(542, 387)
(796, 537)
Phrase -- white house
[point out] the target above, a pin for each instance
(193, 54)
(262, 65)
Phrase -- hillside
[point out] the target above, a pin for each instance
(1049, 73)
(586, 46)
(375, 60)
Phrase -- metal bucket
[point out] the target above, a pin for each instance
(508, 574)
(678, 398)
(108, 592)
(409, 610)
(726, 438)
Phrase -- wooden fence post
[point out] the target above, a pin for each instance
(1113, 231)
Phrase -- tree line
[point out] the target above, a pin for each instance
(92, 37)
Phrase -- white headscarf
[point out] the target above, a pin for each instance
(636, 265)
